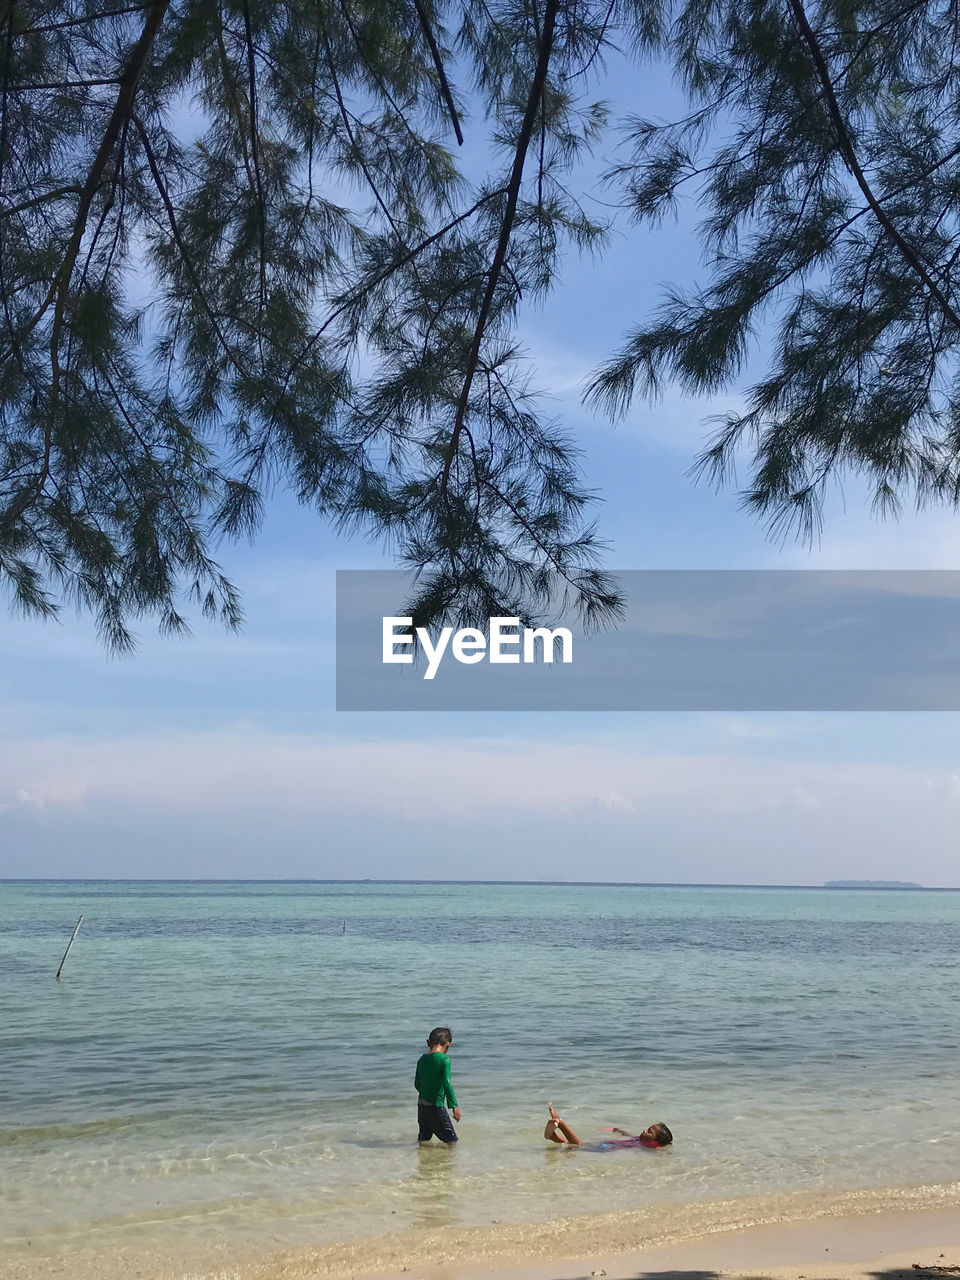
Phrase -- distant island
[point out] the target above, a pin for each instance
(871, 884)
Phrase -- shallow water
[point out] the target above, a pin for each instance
(234, 1061)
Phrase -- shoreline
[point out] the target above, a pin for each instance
(564, 1246)
(702, 1240)
(889, 1245)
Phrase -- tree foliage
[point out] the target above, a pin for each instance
(823, 148)
(238, 252)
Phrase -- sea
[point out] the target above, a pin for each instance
(233, 1062)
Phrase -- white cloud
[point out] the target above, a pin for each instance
(250, 801)
(247, 768)
(613, 802)
(51, 792)
(676, 421)
(854, 539)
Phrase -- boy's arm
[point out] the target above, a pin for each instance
(448, 1088)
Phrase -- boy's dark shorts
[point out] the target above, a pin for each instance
(434, 1122)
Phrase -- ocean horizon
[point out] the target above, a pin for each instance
(867, 885)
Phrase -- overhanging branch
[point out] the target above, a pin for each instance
(506, 227)
(909, 254)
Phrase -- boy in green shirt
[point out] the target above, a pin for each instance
(434, 1088)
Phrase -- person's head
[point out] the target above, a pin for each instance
(440, 1038)
(658, 1133)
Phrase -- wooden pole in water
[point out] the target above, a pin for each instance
(69, 945)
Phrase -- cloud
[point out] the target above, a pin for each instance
(253, 802)
(249, 768)
(613, 802)
(29, 800)
(855, 539)
(675, 421)
(51, 792)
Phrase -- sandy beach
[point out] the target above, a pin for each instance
(884, 1245)
(910, 1245)
(852, 1238)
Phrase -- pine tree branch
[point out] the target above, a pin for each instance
(117, 181)
(597, 47)
(506, 227)
(233, 99)
(870, 36)
(41, 199)
(529, 531)
(122, 111)
(403, 261)
(181, 246)
(255, 157)
(351, 136)
(381, 83)
(63, 84)
(911, 257)
(438, 63)
(7, 64)
(82, 22)
(155, 466)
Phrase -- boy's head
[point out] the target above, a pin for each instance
(658, 1133)
(440, 1038)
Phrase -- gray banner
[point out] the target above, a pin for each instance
(712, 640)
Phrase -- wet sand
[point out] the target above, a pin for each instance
(905, 1245)
(854, 1236)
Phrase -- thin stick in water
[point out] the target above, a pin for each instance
(69, 945)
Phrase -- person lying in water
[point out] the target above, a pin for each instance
(557, 1130)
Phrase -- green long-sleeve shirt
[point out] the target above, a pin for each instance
(432, 1080)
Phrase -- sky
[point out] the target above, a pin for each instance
(222, 755)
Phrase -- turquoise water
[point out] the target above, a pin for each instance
(234, 1061)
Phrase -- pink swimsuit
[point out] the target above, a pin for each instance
(623, 1142)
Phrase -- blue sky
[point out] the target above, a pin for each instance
(222, 755)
